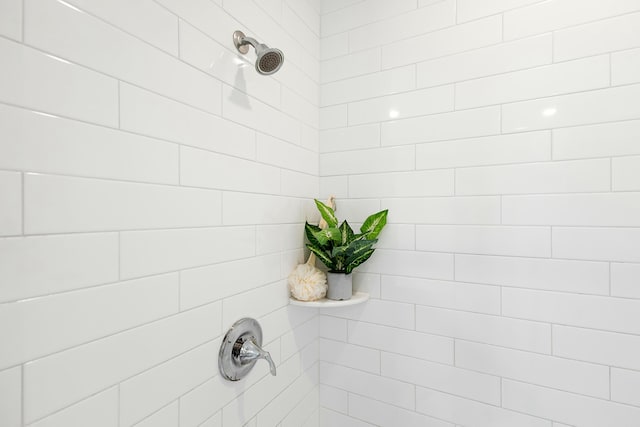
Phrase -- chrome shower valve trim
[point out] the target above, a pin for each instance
(240, 350)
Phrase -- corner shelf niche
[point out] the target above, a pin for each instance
(356, 298)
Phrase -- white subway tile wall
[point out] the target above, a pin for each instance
(504, 138)
(153, 189)
(153, 185)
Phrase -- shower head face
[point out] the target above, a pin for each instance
(269, 61)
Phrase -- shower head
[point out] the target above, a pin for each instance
(268, 61)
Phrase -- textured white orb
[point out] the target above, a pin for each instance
(307, 283)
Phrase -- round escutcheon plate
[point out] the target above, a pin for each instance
(228, 361)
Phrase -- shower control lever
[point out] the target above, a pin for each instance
(241, 349)
(250, 352)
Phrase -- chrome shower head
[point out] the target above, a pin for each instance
(268, 61)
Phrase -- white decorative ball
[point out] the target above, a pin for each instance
(307, 283)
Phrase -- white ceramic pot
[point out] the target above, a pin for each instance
(340, 286)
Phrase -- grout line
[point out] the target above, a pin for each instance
(302, 400)
(162, 229)
(415, 157)
(22, 35)
(470, 196)
(120, 278)
(455, 97)
(160, 138)
(219, 411)
(415, 316)
(22, 396)
(484, 403)
(455, 182)
(350, 52)
(177, 401)
(401, 353)
(255, 244)
(541, 354)
(611, 174)
(316, 31)
(456, 13)
(610, 69)
(455, 362)
(180, 148)
(256, 137)
(170, 185)
(179, 405)
(348, 401)
(454, 266)
(484, 373)
(179, 296)
(22, 201)
(518, 133)
(346, 105)
(435, 225)
(179, 40)
(119, 105)
(349, 187)
(224, 327)
(119, 404)
(478, 77)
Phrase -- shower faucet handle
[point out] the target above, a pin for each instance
(250, 352)
(241, 349)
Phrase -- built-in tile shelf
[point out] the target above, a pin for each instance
(356, 298)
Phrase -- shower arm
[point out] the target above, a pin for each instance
(242, 43)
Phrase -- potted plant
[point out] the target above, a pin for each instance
(342, 250)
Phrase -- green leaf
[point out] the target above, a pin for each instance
(373, 225)
(327, 235)
(327, 214)
(339, 251)
(357, 237)
(358, 253)
(347, 232)
(359, 246)
(336, 235)
(354, 262)
(309, 229)
(339, 254)
(322, 256)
